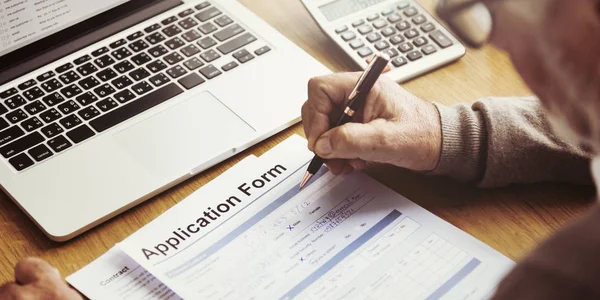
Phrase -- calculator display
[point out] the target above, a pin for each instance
(341, 8)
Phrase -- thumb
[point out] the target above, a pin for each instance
(31, 270)
(354, 140)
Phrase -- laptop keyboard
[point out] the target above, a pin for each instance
(50, 113)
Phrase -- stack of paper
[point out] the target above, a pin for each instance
(252, 234)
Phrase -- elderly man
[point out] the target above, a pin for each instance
(555, 45)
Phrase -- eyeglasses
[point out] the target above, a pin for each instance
(470, 20)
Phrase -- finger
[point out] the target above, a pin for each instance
(30, 270)
(354, 141)
(336, 166)
(12, 290)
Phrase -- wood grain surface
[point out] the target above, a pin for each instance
(511, 220)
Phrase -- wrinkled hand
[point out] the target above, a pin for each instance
(36, 279)
(394, 127)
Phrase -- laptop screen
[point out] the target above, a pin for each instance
(25, 22)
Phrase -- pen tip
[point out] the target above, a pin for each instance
(305, 180)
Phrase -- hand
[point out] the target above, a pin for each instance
(36, 279)
(394, 127)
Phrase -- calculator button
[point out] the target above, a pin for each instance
(347, 36)
(439, 38)
(420, 19)
(397, 39)
(382, 45)
(358, 23)
(388, 11)
(411, 34)
(372, 17)
(428, 27)
(403, 5)
(373, 37)
(365, 29)
(429, 49)
(414, 55)
(399, 61)
(341, 29)
(364, 52)
(405, 47)
(420, 41)
(357, 44)
(389, 31)
(411, 11)
(391, 52)
(403, 26)
(379, 24)
(394, 18)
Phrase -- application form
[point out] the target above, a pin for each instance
(257, 236)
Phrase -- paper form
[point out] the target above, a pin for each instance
(342, 237)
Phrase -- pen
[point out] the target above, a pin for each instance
(356, 100)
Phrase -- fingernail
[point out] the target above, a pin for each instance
(323, 146)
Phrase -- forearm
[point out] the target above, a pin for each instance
(501, 141)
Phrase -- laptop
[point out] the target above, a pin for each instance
(104, 104)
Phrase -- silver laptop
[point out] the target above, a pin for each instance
(104, 104)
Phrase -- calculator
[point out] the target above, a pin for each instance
(404, 30)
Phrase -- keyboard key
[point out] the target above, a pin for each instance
(191, 80)
(151, 28)
(428, 27)
(107, 75)
(53, 99)
(394, 18)
(358, 23)
(173, 58)
(10, 135)
(439, 38)
(70, 121)
(208, 14)
(373, 37)
(3, 124)
(139, 74)
(158, 51)
(87, 69)
(405, 47)
(124, 67)
(391, 52)
(193, 64)
(206, 42)
(59, 143)
(64, 68)
(50, 115)
(418, 20)
(210, 72)
(104, 90)
(365, 29)
(15, 102)
(389, 31)
(8, 93)
(169, 20)
(429, 49)
(191, 35)
(172, 30)
(3, 109)
(123, 53)
(207, 28)
(141, 88)
(107, 104)
(397, 39)
(40, 152)
(143, 58)
(21, 162)
(27, 84)
(236, 43)
(190, 50)
(357, 44)
(80, 134)
(262, 50)
(68, 107)
(364, 52)
(89, 113)
(82, 59)
(223, 21)
(69, 77)
(124, 96)
(100, 52)
(89, 82)
(156, 66)
(21, 144)
(174, 43)
(382, 45)
(379, 24)
(32, 124)
(230, 66)
(138, 46)
(420, 41)
(414, 55)
(402, 26)
(71, 91)
(229, 32)
(45, 76)
(210, 55)
(241, 53)
(187, 23)
(202, 5)
(122, 82)
(246, 58)
(117, 44)
(33, 93)
(52, 130)
(134, 108)
(155, 38)
(159, 80)
(186, 13)
(411, 11)
(135, 36)
(176, 72)
(86, 99)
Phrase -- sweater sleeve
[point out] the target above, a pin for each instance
(501, 141)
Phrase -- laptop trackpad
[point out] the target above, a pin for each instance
(180, 138)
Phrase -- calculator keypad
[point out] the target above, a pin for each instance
(404, 32)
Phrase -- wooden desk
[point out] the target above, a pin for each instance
(512, 220)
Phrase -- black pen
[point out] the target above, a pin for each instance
(356, 101)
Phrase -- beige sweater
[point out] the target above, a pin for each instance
(497, 142)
